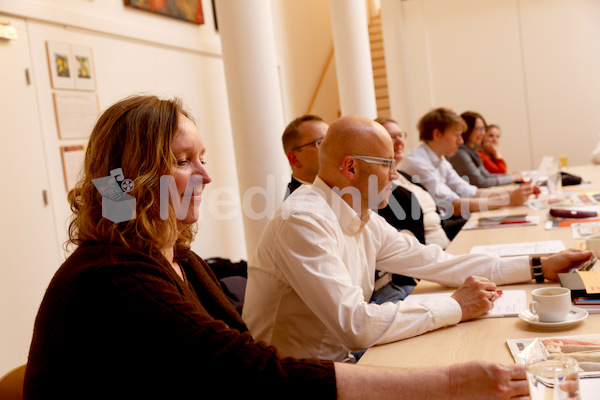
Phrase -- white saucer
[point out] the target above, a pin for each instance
(575, 315)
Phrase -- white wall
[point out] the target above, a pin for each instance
(304, 44)
(528, 65)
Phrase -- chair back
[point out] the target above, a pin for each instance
(11, 384)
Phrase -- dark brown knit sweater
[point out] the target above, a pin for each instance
(116, 323)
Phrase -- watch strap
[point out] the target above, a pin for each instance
(537, 269)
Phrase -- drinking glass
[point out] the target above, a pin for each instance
(553, 377)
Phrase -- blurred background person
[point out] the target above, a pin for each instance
(411, 207)
(300, 141)
(440, 131)
(466, 160)
(489, 151)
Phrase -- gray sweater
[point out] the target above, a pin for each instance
(468, 164)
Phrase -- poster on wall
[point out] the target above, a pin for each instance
(76, 113)
(59, 61)
(83, 65)
(187, 10)
(72, 158)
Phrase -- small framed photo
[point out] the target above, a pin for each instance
(59, 62)
(83, 67)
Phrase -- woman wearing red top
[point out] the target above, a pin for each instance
(490, 152)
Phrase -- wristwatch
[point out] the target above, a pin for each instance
(537, 269)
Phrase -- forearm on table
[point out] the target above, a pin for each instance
(464, 205)
(367, 382)
(484, 200)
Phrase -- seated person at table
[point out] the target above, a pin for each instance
(490, 151)
(441, 131)
(134, 314)
(418, 211)
(312, 274)
(300, 141)
(466, 160)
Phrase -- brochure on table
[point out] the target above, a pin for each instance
(522, 349)
(528, 220)
(520, 248)
(584, 348)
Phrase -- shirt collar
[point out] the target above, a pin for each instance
(301, 180)
(435, 160)
(348, 219)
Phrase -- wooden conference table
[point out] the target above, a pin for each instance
(485, 338)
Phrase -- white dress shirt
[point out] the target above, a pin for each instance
(436, 175)
(312, 275)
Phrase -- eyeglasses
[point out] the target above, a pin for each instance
(399, 136)
(315, 143)
(390, 162)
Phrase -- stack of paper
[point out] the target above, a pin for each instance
(520, 249)
(502, 222)
(510, 303)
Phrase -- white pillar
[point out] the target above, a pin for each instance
(255, 109)
(353, 57)
(396, 64)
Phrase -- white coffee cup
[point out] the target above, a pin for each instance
(593, 243)
(551, 304)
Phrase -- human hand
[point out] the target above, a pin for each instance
(563, 262)
(519, 195)
(491, 147)
(484, 380)
(476, 297)
(516, 176)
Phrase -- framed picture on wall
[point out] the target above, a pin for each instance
(83, 68)
(187, 10)
(76, 113)
(72, 158)
(59, 62)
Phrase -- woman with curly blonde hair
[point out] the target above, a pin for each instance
(135, 135)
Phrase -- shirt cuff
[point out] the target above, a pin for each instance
(515, 270)
(446, 311)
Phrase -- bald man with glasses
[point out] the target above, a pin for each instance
(312, 274)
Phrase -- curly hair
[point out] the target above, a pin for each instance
(135, 134)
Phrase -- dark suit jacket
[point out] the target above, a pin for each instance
(293, 185)
(404, 212)
(409, 215)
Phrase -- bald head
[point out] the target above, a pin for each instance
(353, 162)
(349, 136)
